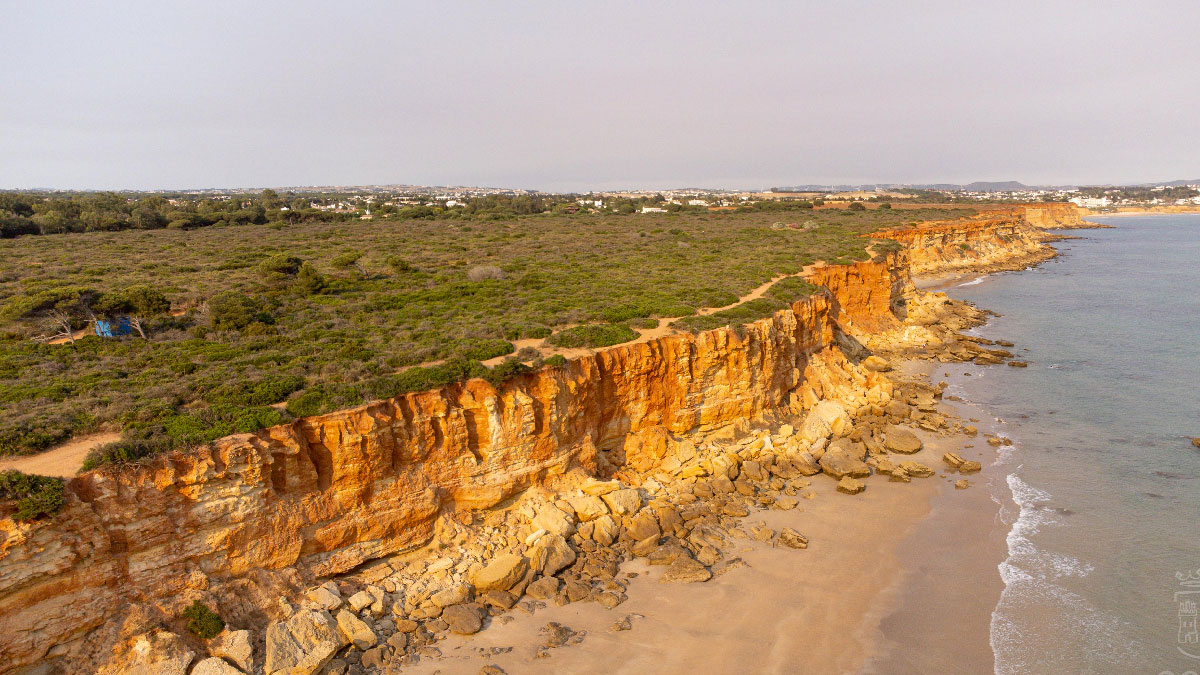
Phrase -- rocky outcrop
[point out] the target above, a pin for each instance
(982, 244)
(1054, 216)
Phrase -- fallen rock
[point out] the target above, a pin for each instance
(953, 459)
(158, 652)
(851, 486)
(326, 597)
(449, 596)
(551, 555)
(302, 644)
(1018, 364)
(916, 469)
(962, 484)
(876, 364)
(235, 646)
(686, 570)
(903, 441)
(845, 458)
(543, 589)
(462, 619)
(1196, 442)
(502, 573)
(356, 630)
(588, 507)
(969, 466)
(792, 538)
(552, 519)
(360, 600)
(623, 502)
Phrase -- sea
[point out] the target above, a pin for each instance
(1099, 492)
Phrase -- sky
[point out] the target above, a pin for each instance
(573, 96)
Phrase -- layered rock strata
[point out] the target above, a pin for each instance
(254, 517)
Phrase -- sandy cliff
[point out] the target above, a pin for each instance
(254, 516)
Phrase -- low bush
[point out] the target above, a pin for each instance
(593, 335)
(35, 496)
(484, 272)
(202, 621)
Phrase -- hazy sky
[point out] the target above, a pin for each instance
(569, 95)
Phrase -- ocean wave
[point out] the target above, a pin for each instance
(1032, 600)
(976, 280)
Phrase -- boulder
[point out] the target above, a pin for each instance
(901, 440)
(158, 652)
(876, 364)
(588, 507)
(215, 666)
(792, 538)
(825, 419)
(666, 554)
(552, 519)
(845, 458)
(805, 464)
(373, 659)
(360, 600)
(235, 646)
(686, 570)
(970, 466)
(953, 459)
(962, 484)
(605, 530)
(623, 502)
(596, 487)
(326, 597)
(502, 573)
(851, 486)
(1196, 442)
(551, 555)
(499, 599)
(643, 526)
(543, 589)
(356, 630)
(302, 644)
(451, 596)
(916, 469)
(462, 619)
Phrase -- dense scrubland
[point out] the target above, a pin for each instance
(248, 324)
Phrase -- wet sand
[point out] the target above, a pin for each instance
(858, 598)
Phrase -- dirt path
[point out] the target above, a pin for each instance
(64, 460)
(665, 326)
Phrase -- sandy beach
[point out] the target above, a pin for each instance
(873, 580)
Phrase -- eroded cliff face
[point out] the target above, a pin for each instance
(330, 492)
(255, 516)
(1053, 215)
(1007, 242)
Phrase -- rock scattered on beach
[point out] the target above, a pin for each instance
(1196, 442)
(901, 440)
(851, 486)
(962, 484)
(792, 538)
(1018, 364)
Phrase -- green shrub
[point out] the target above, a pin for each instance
(309, 281)
(593, 335)
(791, 289)
(202, 621)
(857, 206)
(35, 495)
(556, 360)
(481, 349)
(124, 452)
(235, 311)
(643, 323)
(345, 260)
(281, 265)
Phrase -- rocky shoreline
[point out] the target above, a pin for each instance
(673, 495)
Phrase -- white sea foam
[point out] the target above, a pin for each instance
(976, 280)
(1030, 575)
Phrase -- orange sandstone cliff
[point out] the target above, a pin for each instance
(254, 516)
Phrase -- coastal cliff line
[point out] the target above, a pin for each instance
(252, 517)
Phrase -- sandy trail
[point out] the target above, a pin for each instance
(665, 326)
(64, 460)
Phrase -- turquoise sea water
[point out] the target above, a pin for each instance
(1102, 495)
